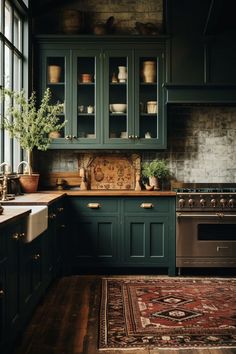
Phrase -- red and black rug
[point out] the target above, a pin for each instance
(169, 313)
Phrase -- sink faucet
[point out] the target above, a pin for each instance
(3, 189)
(23, 163)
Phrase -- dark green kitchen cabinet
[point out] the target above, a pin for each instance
(90, 85)
(94, 232)
(122, 232)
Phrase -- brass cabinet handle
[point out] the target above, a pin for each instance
(52, 216)
(62, 226)
(2, 293)
(36, 256)
(94, 205)
(147, 205)
(61, 209)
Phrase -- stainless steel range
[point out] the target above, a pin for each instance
(205, 225)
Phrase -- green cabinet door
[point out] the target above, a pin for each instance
(3, 284)
(31, 279)
(94, 241)
(14, 277)
(60, 87)
(146, 241)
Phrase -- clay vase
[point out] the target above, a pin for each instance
(153, 182)
(54, 74)
(122, 75)
(149, 72)
(29, 183)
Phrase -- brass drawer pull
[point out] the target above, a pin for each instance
(94, 205)
(147, 205)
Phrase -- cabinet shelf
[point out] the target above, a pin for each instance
(56, 83)
(86, 83)
(86, 114)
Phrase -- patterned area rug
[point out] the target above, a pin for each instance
(175, 313)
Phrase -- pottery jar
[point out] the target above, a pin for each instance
(122, 75)
(152, 107)
(54, 74)
(149, 71)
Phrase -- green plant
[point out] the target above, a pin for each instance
(155, 168)
(29, 124)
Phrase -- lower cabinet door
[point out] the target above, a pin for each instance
(3, 276)
(94, 240)
(146, 240)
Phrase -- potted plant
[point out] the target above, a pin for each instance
(31, 125)
(155, 171)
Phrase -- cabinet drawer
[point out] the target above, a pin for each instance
(94, 204)
(149, 205)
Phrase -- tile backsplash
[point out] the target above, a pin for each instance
(201, 146)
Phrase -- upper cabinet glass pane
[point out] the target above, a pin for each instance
(8, 21)
(86, 105)
(118, 100)
(148, 97)
(56, 82)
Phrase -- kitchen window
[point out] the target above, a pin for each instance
(13, 66)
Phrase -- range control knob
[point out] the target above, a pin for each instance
(213, 202)
(190, 202)
(231, 203)
(223, 202)
(203, 202)
(181, 202)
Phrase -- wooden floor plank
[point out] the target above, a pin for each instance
(66, 322)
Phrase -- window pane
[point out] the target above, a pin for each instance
(7, 139)
(17, 65)
(1, 24)
(7, 27)
(7, 68)
(17, 31)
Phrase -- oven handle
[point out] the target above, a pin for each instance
(191, 215)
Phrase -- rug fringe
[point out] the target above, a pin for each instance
(162, 349)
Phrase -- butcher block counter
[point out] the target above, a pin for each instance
(39, 198)
(12, 215)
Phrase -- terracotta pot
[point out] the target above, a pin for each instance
(149, 71)
(54, 74)
(153, 182)
(72, 21)
(29, 183)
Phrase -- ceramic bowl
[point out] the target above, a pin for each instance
(118, 107)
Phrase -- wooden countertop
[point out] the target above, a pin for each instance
(10, 215)
(38, 198)
(120, 193)
(48, 197)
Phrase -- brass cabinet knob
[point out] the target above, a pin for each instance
(2, 293)
(36, 256)
(61, 209)
(16, 236)
(62, 226)
(52, 216)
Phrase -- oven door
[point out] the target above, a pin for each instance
(206, 239)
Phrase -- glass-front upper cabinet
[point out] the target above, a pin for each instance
(132, 98)
(111, 91)
(117, 96)
(148, 99)
(86, 96)
(55, 76)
